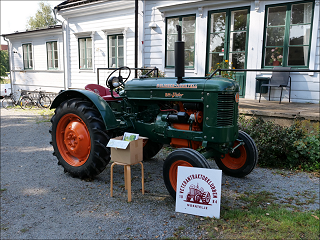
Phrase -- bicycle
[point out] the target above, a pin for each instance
(13, 99)
(41, 101)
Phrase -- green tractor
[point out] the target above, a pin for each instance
(187, 113)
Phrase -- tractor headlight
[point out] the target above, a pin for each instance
(114, 82)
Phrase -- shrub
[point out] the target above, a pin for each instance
(294, 147)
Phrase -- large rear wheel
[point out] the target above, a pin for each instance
(243, 160)
(181, 157)
(79, 138)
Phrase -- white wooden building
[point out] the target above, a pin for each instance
(36, 59)
(249, 34)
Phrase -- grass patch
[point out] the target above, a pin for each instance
(259, 218)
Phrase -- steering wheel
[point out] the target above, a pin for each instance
(121, 80)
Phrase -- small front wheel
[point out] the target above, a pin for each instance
(181, 157)
(243, 160)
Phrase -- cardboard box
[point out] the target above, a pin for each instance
(125, 151)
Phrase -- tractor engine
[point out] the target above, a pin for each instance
(186, 116)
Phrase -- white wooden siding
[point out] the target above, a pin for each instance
(39, 76)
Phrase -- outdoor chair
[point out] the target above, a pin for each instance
(278, 79)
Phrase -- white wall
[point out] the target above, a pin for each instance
(114, 20)
(39, 76)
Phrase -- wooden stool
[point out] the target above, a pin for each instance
(127, 178)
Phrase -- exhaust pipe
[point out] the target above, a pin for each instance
(179, 56)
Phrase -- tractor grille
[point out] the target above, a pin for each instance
(225, 110)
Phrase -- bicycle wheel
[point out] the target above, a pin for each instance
(7, 103)
(45, 101)
(26, 102)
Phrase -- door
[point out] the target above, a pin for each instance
(228, 40)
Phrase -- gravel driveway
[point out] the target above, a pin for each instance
(40, 201)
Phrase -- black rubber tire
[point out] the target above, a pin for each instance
(185, 154)
(99, 155)
(26, 103)
(151, 149)
(45, 101)
(251, 160)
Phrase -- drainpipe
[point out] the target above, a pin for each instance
(136, 38)
(55, 10)
(10, 64)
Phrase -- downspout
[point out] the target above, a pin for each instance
(10, 64)
(136, 38)
(63, 47)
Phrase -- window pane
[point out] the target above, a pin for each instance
(217, 42)
(299, 35)
(171, 25)
(189, 40)
(238, 41)
(301, 13)
(82, 52)
(120, 62)
(218, 22)
(214, 59)
(112, 62)
(120, 40)
(49, 53)
(171, 39)
(55, 55)
(170, 58)
(239, 20)
(298, 56)
(277, 16)
(189, 58)
(120, 52)
(113, 52)
(273, 56)
(237, 59)
(275, 36)
(188, 24)
(30, 52)
(56, 64)
(55, 47)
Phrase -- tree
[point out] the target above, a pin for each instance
(4, 63)
(43, 17)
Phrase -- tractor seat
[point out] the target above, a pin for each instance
(102, 91)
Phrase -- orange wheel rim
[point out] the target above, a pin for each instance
(235, 162)
(73, 140)
(173, 172)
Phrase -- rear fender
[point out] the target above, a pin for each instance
(103, 107)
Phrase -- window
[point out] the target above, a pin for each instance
(188, 24)
(227, 37)
(116, 51)
(52, 55)
(85, 53)
(27, 56)
(288, 35)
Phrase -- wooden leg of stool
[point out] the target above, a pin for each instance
(111, 179)
(129, 182)
(142, 177)
(125, 178)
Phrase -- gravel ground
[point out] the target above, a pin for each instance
(40, 201)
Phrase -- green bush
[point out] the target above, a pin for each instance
(294, 147)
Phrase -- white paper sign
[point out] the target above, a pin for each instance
(118, 144)
(199, 191)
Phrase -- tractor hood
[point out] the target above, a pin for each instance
(191, 89)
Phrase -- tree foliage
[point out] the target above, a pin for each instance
(4, 63)
(43, 18)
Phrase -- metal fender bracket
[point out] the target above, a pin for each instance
(240, 144)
